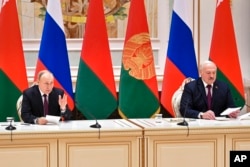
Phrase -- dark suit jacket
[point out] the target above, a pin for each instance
(194, 98)
(32, 104)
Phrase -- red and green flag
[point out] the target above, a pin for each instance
(13, 77)
(223, 51)
(138, 92)
(95, 94)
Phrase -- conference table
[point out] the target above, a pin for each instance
(124, 143)
(205, 143)
(71, 144)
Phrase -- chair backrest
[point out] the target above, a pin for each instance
(176, 98)
(19, 107)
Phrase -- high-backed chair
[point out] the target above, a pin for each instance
(19, 106)
(176, 98)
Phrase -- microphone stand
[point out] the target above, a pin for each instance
(96, 125)
(184, 122)
(10, 127)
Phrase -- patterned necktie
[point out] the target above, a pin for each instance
(209, 96)
(45, 105)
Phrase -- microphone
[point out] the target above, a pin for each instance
(96, 125)
(184, 122)
(10, 127)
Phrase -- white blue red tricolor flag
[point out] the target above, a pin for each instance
(181, 60)
(53, 54)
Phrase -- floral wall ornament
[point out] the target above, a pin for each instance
(75, 14)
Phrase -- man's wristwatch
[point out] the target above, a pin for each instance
(200, 115)
(36, 121)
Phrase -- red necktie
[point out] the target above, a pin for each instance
(209, 96)
(45, 105)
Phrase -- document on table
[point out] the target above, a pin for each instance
(53, 119)
(230, 110)
(244, 116)
(222, 118)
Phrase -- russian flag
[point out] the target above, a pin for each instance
(181, 60)
(53, 54)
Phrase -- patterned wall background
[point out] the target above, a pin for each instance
(32, 12)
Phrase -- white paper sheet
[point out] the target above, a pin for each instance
(230, 110)
(222, 118)
(53, 119)
(244, 116)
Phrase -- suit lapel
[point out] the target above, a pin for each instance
(202, 90)
(215, 93)
(53, 101)
(39, 100)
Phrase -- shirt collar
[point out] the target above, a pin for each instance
(205, 84)
(43, 93)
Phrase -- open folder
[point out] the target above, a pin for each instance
(230, 110)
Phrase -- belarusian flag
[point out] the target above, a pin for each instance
(224, 52)
(95, 93)
(13, 77)
(138, 92)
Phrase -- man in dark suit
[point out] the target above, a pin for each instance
(33, 109)
(194, 101)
